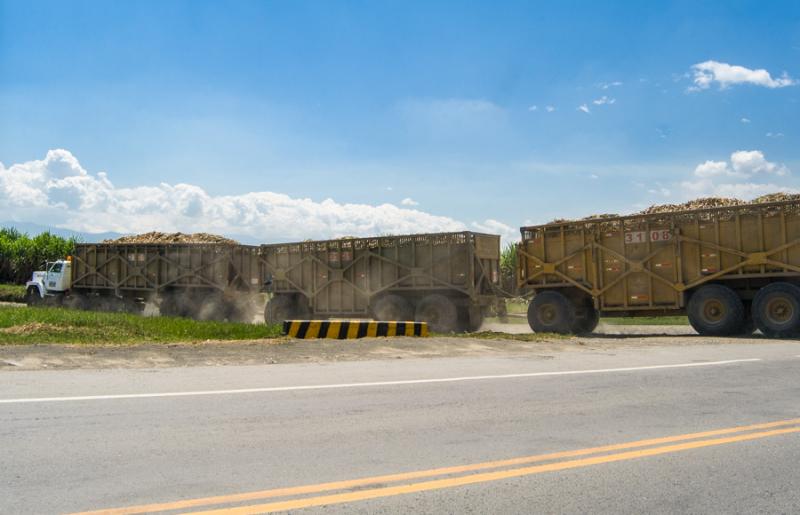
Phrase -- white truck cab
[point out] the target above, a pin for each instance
(53, 282)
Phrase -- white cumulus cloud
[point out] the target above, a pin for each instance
(408, 201)
(745, 175)
(584, 108)
(726, 75)
(492, 226)
(58, 191)
(550, 109)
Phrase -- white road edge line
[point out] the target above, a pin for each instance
(363, 385)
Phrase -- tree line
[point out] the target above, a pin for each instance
(21, 254)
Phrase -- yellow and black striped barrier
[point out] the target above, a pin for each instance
(348, 329)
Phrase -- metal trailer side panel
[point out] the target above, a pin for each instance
(155, 267)
(487, 259)
(341, 276)
(647, 262)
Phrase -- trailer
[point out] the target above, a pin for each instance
(204, 281)
(449, 280)
(730, 269)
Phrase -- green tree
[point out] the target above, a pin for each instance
(20, 254)
(508, 267)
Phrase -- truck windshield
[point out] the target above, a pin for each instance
(56, 268)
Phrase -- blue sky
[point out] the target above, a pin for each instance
(443, 104)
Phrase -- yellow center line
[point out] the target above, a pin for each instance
(420, 474)
(486, 476)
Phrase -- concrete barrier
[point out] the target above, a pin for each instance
(349, 329)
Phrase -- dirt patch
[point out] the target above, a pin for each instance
(284, 350)
(174, 237)
(30, 327)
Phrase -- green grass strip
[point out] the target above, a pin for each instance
(669, 320)
(12, 293)
(60, 325)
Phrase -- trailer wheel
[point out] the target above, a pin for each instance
(551, 312)
(279, 308)
(32, 297)
(169, 306)
(302, 310)
(76, 301)
(213, 307)
(245, 308)
(470, 318)
(439, 312)
(716, 310)
(776, 310)
(392, 307)
(588, 322)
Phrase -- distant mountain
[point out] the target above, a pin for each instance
(33, 229)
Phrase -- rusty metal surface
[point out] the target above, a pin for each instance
(342, 276)
(647, 261)
(156, 267)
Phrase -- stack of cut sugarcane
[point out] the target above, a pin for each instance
(175, 237)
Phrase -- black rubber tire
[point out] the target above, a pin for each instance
(109, 303)
(588, 323)
(439, 312)
(77, 301)
(551, 312)
(776, 310)
(470, 318)
(176, 305)
(168, 306)
(302, 311)
(279, 308)
(32, 297)
(392, 308)
(245, 308)
(213, 307)
(716, 310)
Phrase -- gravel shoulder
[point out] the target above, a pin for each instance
(281, 350)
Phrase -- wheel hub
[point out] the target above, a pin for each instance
(547, 314)
(780, 310)
(714, 311)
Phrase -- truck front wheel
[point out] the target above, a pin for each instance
(32, 297)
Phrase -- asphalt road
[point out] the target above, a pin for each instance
(77, 440)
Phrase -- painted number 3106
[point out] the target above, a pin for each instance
(645, 236)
